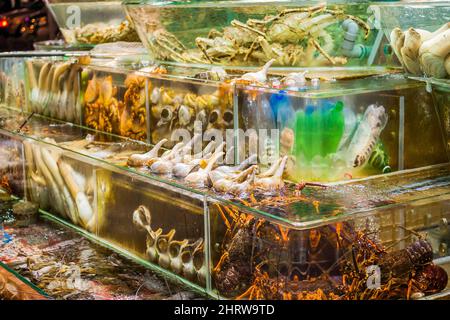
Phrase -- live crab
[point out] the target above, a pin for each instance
(291, 37)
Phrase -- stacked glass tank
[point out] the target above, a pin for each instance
(325, 186)
(250, 33)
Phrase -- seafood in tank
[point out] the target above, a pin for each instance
(96, 33)
(419, 36)
(205, 170)
(54, 88)
(12, 84)
(423, 52)
(88, 23)
(102, 109)
(183, 257)
(248, 33)
(60, 264)
(180, 107)
(333, 135)
(133, 120)
(165, 228)
(113, 106)
(59, 184)
(11, 166)
(259, 259)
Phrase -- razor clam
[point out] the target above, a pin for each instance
(55, 197)
(54, 108)
(85, 213)
(50, 160)
(33, 83)
(45, 95)
(37, 95)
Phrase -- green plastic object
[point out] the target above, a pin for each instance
(319, 130)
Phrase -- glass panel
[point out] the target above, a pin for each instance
(162, 225)
(441, 97)
(89, 23)
(53, 88)
(250, 33)
(333, 137)
(114, 102)
(384, 254)
(11, 165)
(182, 109)
(417, 31)
(427, 15)
(12, 85)
(61, 183)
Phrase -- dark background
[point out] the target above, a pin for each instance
(23, 22)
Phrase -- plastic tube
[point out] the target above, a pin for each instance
(349, 48)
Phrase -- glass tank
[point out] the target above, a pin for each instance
(12, 84)
(115, 102)
(61, 184)
(152, 106)
(92, 22)
(251, 33)
(441, 95)
(334, 126)
(342, 130)
(164, 226)
(12, 176)
(366, 256)
(53, 87)
(287, 241)
(419, 35)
